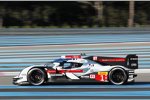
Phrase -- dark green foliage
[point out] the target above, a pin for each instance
(70, 14)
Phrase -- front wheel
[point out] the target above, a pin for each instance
(36, 76)
(118, 76)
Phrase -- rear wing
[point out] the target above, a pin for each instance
(130, 61)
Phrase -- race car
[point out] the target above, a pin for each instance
(115, 70)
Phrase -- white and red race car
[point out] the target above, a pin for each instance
(115, 70)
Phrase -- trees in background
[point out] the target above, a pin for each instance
(74, 14)
(131, 14)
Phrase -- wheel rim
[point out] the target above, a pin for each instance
(118, 76)
(36, 77)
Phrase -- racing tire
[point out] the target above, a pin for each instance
(36, 76)
(118, 76)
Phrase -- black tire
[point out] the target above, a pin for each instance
(36, 76)
(118, 76)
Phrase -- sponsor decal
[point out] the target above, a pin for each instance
(56, 74)
(102, 76)
(133, 58)
(102, 73)
(94, 58)
(112, 60)
(92, 76)
(84, 76)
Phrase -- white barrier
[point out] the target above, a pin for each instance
(9, 73)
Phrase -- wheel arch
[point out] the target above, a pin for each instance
(42, 68)
(119, 67)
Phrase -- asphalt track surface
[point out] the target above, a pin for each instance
(74, 90)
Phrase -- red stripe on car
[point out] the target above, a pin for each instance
(51, 71)
(64, 71)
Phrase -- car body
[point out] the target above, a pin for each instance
(116, 70)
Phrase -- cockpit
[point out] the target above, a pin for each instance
(66, 62)
(60, 60)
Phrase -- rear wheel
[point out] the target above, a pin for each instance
(118, 76)
(36, 76)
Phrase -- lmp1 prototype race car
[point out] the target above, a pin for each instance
(115, 70)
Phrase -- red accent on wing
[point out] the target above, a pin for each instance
(112, 60)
